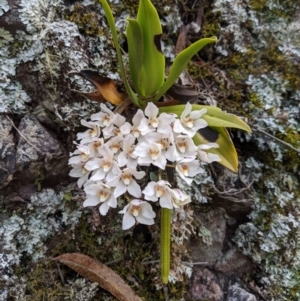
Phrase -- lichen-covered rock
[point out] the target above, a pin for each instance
(236, 293)
(38, 152)
(211, 231)
(234, 192)
(204, 285)
(7, 152)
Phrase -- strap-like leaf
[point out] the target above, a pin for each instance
(181, 62)
(153, 58)
(111, 23)
(135, 50)
(214, 116)
(226, 150)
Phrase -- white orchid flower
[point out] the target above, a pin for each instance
(126, 156)
(99, 193)
(93, 132)
(81, 154)
(104, 167)
(159, 190)
(80, 172)
(115, 144)
(166, 143)
(190, 121)
(205, 156)
(137, 210)
(126, 182)
(179, 199)
(154, 122)
(115, 128)
(150, 153)
(185, 147)
(188, 168)
(105, 118)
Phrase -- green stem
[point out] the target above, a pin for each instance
(165, 244)
(111, 24)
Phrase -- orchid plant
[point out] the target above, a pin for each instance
(112, 154)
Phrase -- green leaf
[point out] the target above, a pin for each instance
(68, 196)
(111, 23)
(135, 50)
(181, 62)
(214, 116)
(226, 150)
(153, 58)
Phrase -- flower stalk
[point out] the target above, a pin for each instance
(165, 244)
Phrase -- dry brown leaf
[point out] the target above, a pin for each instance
(106, 88)
(98, 272)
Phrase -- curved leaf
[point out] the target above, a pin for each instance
(135, 51)
(153, 58)
(98, 272)
(226, 150)
(181, 62)
(214, 116)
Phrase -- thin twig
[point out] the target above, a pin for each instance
(259, 129)
(60, 273)
(24, 137)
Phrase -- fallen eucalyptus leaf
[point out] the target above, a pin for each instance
(98, 272)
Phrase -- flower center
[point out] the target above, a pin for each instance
(103, 194)
(153, 122)
(185, 169)
(106, 120)
(126, 177)
(135, 210)
(189, 122)
(160, 190)
(106, 165)
(153, 153)
(136, 133)
(115, 147)
(182, 145)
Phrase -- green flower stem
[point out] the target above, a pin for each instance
(165, 244)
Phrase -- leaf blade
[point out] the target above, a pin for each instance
(180, 62)
(135, 50)
(153, 58)
(100, 273)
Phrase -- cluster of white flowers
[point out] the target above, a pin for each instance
(110, 154)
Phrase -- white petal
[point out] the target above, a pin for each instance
(120, 189)
(134, 189)
(91, 201)
(165, 201)
(128, 221)
(144, 220)
(103, 209)
(93, 164)
(151, 110)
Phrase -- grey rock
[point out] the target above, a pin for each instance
(208, 251)
(204, 286)
(236, 293)
(39, 154)
(233, 262)
(7, 152)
